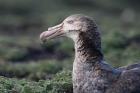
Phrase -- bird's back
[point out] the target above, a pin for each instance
(128, 81)
(130, 67)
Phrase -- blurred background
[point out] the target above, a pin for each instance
(21, 21)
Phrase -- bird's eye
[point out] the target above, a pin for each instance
(70, 22)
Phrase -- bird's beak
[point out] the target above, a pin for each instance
(52, 33)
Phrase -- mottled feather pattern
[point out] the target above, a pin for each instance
(91, 74)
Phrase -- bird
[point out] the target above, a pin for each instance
(91, 73)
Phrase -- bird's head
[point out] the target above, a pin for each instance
(71, 27)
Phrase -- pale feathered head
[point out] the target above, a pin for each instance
(71, 27)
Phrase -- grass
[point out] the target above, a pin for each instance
(32, 70)
(61, 83)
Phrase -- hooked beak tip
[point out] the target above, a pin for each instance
(42, 38)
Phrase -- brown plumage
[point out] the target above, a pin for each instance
(91, 74)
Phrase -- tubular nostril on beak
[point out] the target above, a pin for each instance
(55, 27)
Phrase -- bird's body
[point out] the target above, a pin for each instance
(91, 74)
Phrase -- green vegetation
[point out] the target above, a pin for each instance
(33, 70)
(61, 83)
(121, 49)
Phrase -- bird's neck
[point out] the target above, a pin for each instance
(89, 67)
(87, 49)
